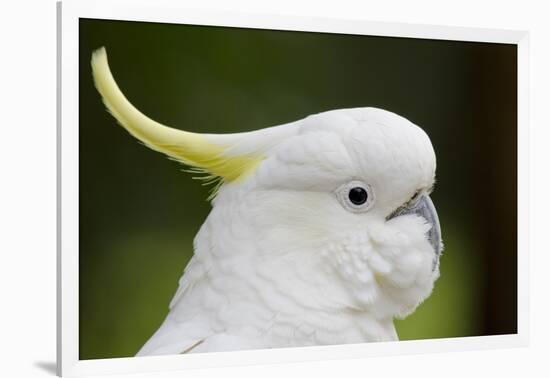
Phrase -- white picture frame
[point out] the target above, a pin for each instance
(167, 11)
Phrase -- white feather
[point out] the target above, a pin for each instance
(279, 262)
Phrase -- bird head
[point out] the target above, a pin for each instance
(342, 196)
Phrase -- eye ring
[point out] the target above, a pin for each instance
(355, 196)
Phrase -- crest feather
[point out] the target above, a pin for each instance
(193, 149)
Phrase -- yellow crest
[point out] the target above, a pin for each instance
(196, 150)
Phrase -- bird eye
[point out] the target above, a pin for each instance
(358, 195)
(355, 196)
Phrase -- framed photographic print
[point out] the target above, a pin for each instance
(333, 189)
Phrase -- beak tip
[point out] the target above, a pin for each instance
(425, 208)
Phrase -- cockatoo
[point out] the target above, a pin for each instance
(321, 231)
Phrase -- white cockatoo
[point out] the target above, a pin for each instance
(321, 231)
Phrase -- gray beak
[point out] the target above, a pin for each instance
(424, 207)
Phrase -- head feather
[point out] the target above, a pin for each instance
(202, 151)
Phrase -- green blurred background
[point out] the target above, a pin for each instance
(139, 212)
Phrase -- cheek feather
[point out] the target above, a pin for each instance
(388, 267)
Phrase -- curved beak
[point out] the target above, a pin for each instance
(425, 208)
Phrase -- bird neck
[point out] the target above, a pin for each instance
(292, 297)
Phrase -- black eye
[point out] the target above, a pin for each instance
(358, 195)
(355, 196)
